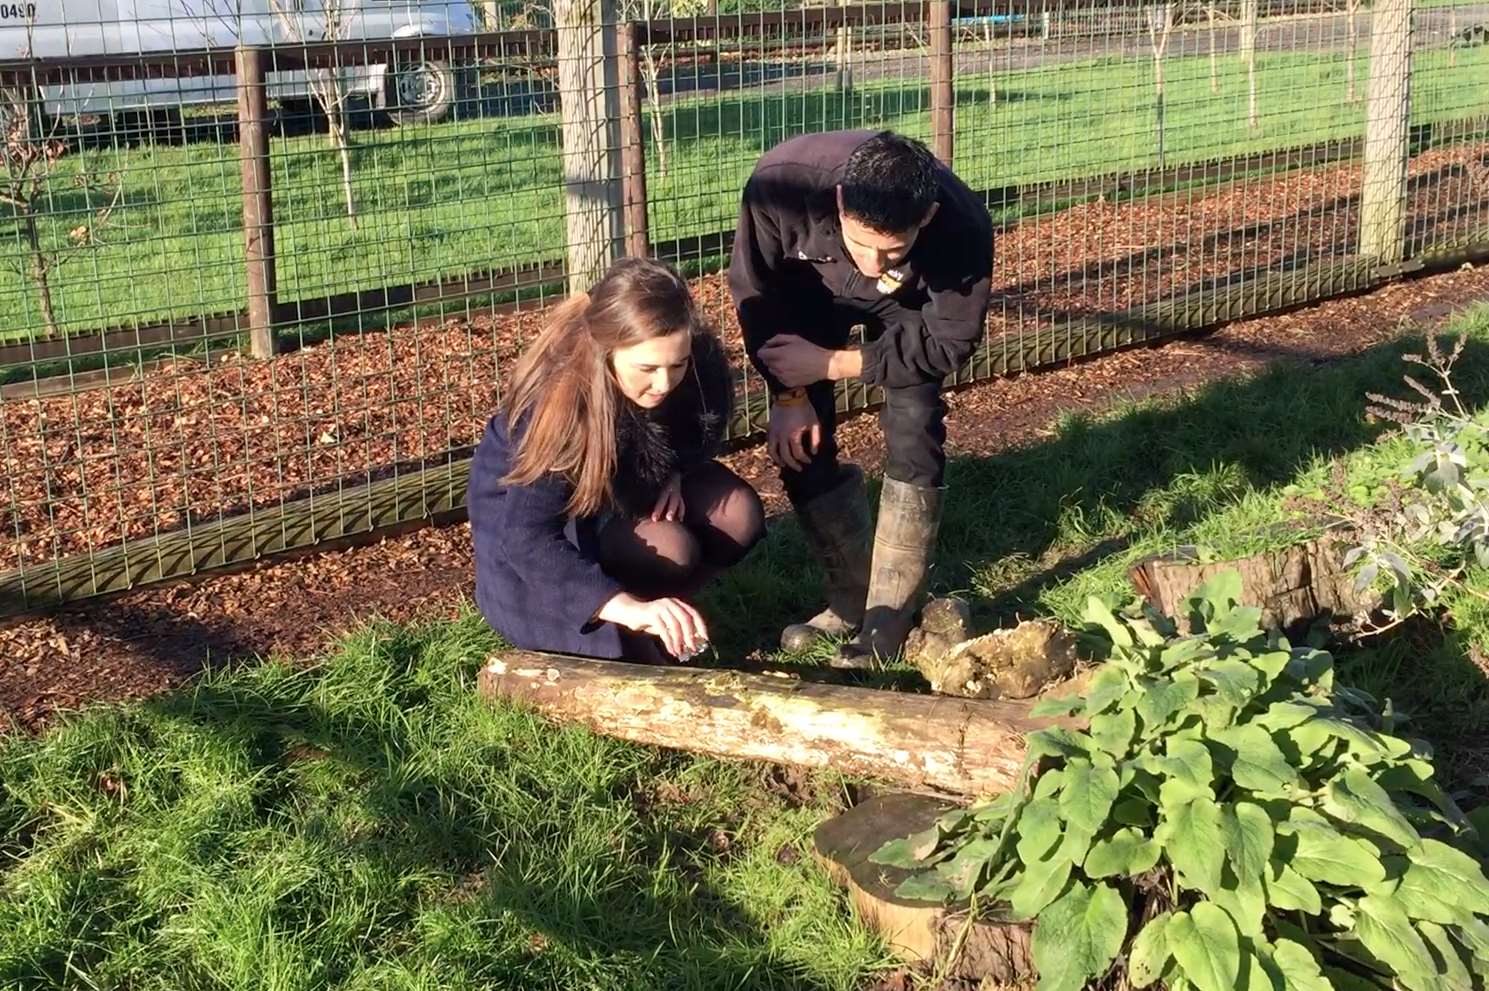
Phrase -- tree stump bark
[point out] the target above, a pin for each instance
(918, 932)
(923, 742)
(1294, 587)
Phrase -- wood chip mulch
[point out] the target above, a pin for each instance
(154, 639)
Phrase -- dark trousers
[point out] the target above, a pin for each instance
(913, 418)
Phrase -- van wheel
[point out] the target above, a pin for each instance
(420, 92)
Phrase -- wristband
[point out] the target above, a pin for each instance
(790, 397)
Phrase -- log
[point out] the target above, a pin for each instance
(922, 742)
(987, 948)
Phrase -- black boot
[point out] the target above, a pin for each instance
(909, 516)
(836, 524)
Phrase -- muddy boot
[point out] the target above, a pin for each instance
(836, 524)
(909, 516)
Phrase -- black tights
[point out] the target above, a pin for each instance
(722, 519)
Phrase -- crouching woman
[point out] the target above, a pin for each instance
(596, 507)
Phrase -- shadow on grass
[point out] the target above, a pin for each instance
(1067, 504)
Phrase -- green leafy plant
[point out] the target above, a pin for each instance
(1221, 815)
(1436, 524)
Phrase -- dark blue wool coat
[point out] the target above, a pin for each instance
(538, 578)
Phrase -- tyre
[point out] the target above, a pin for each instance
(421, 92)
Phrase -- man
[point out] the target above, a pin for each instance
(835, 231)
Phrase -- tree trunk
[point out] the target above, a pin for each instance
(332, 96)
(652, 74)
(41, 268)
(1160, 28)
(1452, 36)
(928, 742)
(1250, 12)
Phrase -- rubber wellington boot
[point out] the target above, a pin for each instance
(909, 517)
(836, 524)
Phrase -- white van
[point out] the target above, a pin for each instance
(417, 91)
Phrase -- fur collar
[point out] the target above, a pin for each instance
(683, 432)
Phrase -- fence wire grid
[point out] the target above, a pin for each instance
(263, 263)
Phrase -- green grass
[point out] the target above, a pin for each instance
(473, 194)
(368, 823)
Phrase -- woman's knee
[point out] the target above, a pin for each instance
(653, 555)
(735, 521)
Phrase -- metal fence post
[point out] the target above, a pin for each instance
(632, 144)
(943, 96)
(1387, 115)
(258, 201)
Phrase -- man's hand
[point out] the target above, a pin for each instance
(795, 361)
(793, 435)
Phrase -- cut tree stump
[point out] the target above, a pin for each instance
(919, 932)
(923, 742)
(1294, 587)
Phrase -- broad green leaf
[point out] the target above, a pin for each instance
(1354, 798)
(963, 870)
(1367, 745)
(1205, 943)
(1113, 731)
(1285, 715)
(926, 886)
(1039, 831)
(1105, 690)
(1127, 852)
(1344, 980)
(1383, 928)
(1149, 954)
(1057, 706)
(1234, 681)
(1452, 975)
(917, 850)
(1041, 884)
(1255, 977)
(1244, 900)
(1188, 763)
(1248, 838)
(1243, 623)
(1214, 712)
(1161, 698)
(1439, 869)
(1133, 811)
(1256, 763)
(1312, 668)
(1271, 664)
(1074, 844)
(1416, 777)
(1298, 967)
(1088, 795)
(1048, 784)
(1183, 651)
(1077, 938)
(1098, 614)
(1193, 841)
(1214, 599)
(998, 809)
(1291, 891)
(1058, 742)
(1322, 853)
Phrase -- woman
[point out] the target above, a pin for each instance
(595, 505)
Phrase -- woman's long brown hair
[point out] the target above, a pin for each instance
(563, 384)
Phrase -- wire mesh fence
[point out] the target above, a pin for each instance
(266, 261)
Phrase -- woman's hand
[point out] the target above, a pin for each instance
(669, 504)
(677, 624)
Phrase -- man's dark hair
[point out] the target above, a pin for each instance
(889, 183)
